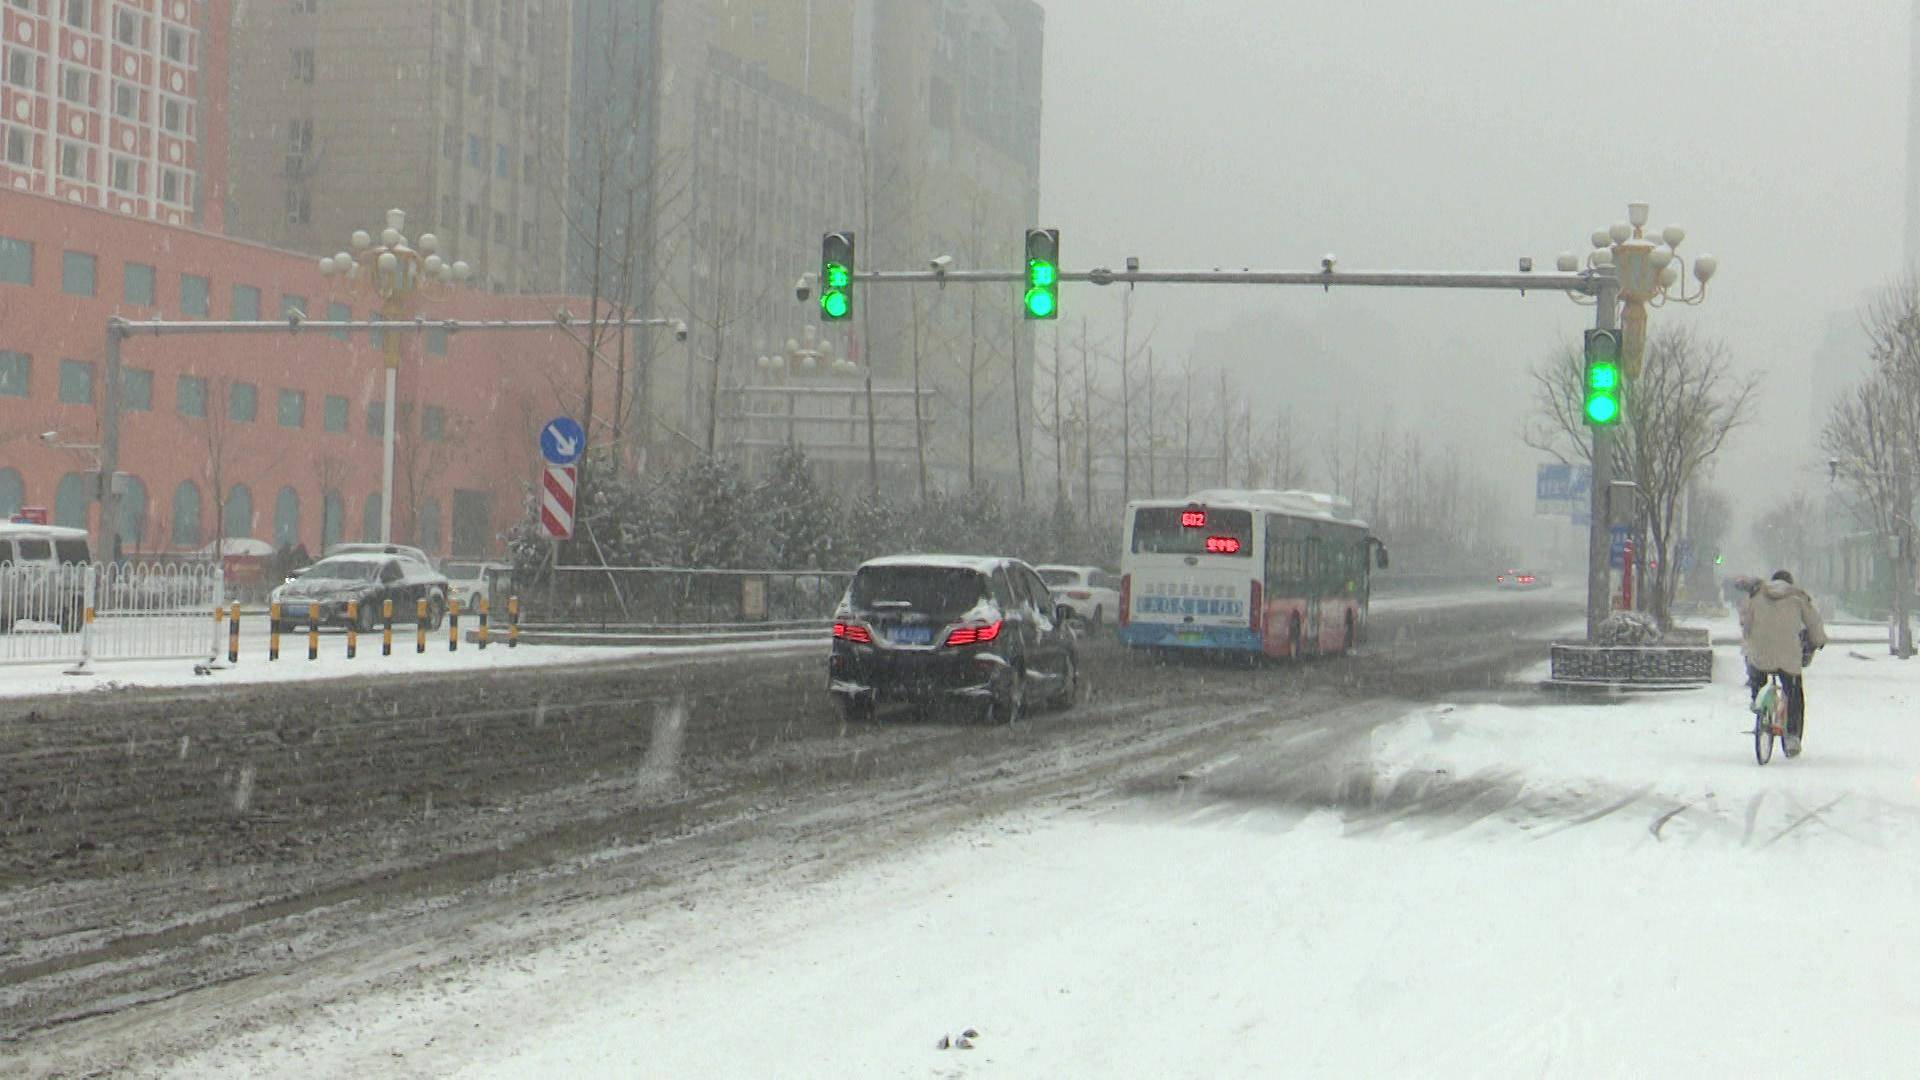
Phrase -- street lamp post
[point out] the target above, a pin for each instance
(807, 354)
(398, 274)
(1631, 274)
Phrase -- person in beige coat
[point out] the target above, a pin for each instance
(1781, 630)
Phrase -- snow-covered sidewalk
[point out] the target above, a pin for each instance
(1608, 889)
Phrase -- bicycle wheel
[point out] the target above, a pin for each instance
(1763, 727)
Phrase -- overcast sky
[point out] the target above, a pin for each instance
(1409, 134)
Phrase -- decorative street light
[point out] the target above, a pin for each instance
(400, 275)
(808, 353)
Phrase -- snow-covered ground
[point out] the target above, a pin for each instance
(1586, 887)
(23, 679)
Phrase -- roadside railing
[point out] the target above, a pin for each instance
(86, 613)
(662, 597)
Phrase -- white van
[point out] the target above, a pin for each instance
(43, 572)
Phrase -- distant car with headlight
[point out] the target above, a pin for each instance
(1522, 579)
(329, 588)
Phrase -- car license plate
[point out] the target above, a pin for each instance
(912, 635)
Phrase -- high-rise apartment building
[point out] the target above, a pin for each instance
(106, 103)
(454, 110)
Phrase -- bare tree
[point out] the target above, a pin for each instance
(1680, 410)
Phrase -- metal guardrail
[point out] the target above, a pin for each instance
(86, 613)
(663, 597)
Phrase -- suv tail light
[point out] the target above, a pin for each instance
(1256, 614)
(974, 635)
(853, 632)
(1126, 599)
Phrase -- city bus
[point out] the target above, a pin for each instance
(1284, 573)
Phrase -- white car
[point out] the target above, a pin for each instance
(469, 581)
(1091, 594)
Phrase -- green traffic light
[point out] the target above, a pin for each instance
(837, 276)
(834, 304)
(1039, 303)
(1603, 377)
(1603, 410)
(1041, 274)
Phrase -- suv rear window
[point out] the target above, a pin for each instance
(1159, 530)
(71, 551)
(940, 591)
(33, 550)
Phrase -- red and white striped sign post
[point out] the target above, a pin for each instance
(557, 489)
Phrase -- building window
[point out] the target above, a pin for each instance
(18, 150)
(377, 339)
(138, 284)
(133, 515)
(186, 515)
(22, 69)
(76, 13)
(433, 424)
(437, 340)
(173, 115)
(528, 169)
(239, 518)
(370, 517)
(292, 408)
(70, 502)
(475, 154)
(429, 526)
(335, 414)
(77, 273)
(173, 186)
(243, 403)
(303, 66)
(299, 144)
(299, 205)
(13, 492)
(246, 303)
(16, 373)
(333, 519)
(124, 174)
(136, 390)
(76, 382)
(290, 303)
(526, 236)
(449, 212)
(286, 518)
(129, 27)
(502, 163)
(190, 395)
(73, 161)
(339, 313)
(76, 86)
(501, 232)
(174, 46)
(16, 261)
(376, 419)
(472, 222)
(126, 101)
(196, 295)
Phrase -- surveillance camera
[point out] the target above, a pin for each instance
(941, 263)
(679, 331)
(802, 289)
(1326, 263)
(1526, 264)
(49, 436)
(562, 317)
(295, 317)
(1133, 263)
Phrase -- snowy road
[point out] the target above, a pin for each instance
(1478, 890)
(186, 868)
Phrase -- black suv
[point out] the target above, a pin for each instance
(959, 629)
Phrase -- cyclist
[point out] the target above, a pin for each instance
(1781, 630)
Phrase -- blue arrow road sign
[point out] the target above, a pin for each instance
(561, 441)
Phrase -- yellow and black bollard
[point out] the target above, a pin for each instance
(353, 628)
(233, 634)
(513, 622)
(483, 620)
(420, 626)
(386, 635)
(273, 631)
(313, 631)
(453, 624)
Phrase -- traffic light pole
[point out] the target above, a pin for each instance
(1599, 529)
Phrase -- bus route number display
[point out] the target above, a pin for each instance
(1223, 545)
(1195, 519)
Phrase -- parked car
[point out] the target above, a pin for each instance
(1090, 595)
(469, 581)
(335, 581)
(1522, 579)
(979, 631)
(43, 573)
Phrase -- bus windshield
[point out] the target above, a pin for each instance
(1173, 530)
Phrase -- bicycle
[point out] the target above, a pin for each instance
(1769, 718)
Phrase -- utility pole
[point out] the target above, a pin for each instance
(110, 447)
(1086, 419)
(1059, 465)
(1226, 425)
(1153, 429)
(1126, 398)
(1186, 427)
(973, 368)
(1903, 554)
(1019, 414)
(1599, 530)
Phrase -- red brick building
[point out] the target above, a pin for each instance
(271, 437)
